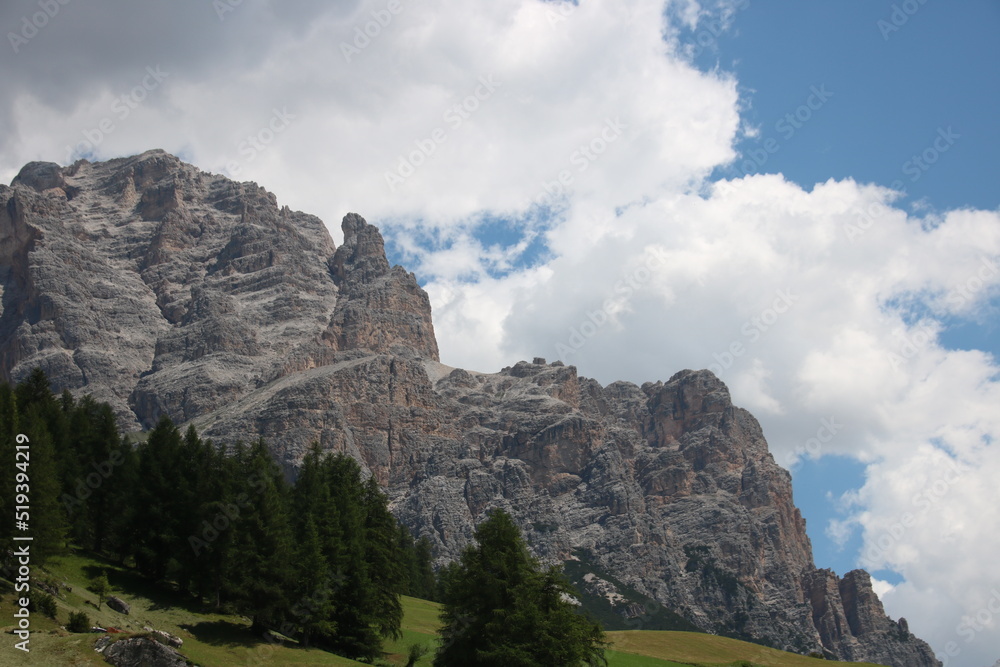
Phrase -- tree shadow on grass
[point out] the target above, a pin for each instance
(160, 596)
(222, 633)
(227, 634)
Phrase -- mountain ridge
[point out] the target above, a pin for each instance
(165, 290)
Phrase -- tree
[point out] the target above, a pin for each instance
(101, 587)
(78, 622)
(8, 433)
(48, 518)
(502, 608)
(262, 542)
(156, 529)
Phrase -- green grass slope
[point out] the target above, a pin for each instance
(217, 640)
(710, 650)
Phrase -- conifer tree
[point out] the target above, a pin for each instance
(122, 494)
(101, 587)
(312, 612)
(156, 523)
(383, 560)
(263, 544)
(422, 582)
(8, 471)
(501, 608)
(48, 526)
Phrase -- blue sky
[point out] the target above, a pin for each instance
(892, 90)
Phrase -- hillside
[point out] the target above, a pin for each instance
(212, 639)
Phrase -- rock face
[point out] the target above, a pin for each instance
(165, 290)
(853, 625)
(142, 652)
(162, 289)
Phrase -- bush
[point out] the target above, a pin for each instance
(416, 651)
(44, 604)
(78, 622)
(101, 588)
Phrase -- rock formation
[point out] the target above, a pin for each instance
(165, 290)
(142, 652)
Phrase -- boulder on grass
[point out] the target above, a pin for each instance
(143, 652)
(119, 605)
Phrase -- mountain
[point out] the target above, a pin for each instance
(165, 290)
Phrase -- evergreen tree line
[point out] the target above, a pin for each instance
(322, 560)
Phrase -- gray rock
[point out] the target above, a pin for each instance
(102, 643)
(118, 605)
(143, 652)
(168, 638)
(165, 290)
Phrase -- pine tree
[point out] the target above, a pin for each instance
(353, 589)
(263, 544)
(48, 526)
(156, 522)
(35, 390)
(8, 471)
(97, 469)
(383, 561)
(313, 610)
(422, 584)
(501, 608)
(122, 494)
(101, 587)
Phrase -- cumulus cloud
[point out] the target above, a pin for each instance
(585, 134)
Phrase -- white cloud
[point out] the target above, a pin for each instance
(812, 303)
(881, 587)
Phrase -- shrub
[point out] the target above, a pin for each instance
(78, 622)
(416, 651)
(45, 604)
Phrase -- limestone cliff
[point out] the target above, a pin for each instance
(165, 290)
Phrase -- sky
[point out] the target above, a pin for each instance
(801, 197)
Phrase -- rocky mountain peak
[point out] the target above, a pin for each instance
(162, 289)
(361, 259)
(40, 176)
